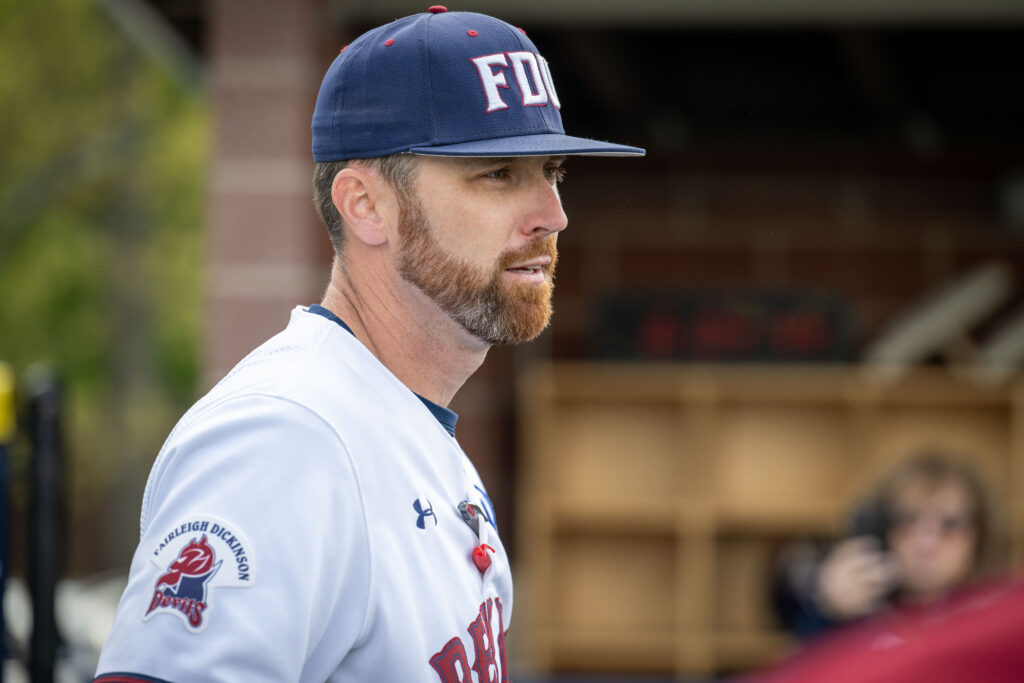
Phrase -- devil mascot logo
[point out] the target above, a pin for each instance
(182, 588)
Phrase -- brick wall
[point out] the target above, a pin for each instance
(266, 250)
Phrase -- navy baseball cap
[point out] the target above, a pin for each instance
(444, 84)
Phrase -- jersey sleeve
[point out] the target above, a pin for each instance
(254, 551)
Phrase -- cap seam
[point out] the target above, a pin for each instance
(348, 63)
(428, 79)
(541, 113)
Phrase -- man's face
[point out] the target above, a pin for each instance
(478, 237)
(933, 537)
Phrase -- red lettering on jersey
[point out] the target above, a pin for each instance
(444, 662)
(452, 662)
(501, 642)
(485, 665)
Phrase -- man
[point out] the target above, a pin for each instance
(313, 517)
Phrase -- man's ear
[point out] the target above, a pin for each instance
(362, 199)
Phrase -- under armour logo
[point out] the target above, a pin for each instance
(423, 513)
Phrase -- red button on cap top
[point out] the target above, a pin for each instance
(437, 9)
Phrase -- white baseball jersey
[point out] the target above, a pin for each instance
(302, 523)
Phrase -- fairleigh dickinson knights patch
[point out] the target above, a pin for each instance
(195, 559)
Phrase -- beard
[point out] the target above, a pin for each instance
(478, 299)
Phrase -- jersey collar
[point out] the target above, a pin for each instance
(446, 417)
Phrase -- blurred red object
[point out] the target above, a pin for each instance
(976, 637)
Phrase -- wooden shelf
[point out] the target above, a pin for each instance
(669, 516)
(793, 516)
(628, 650)
(611, 648)
(666, 489)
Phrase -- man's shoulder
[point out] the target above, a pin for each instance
(313, 364)
(296, 357)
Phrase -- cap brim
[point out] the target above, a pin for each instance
(543, 144)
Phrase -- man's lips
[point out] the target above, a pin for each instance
(531, 266)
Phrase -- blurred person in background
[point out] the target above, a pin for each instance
(927, 531)
(906, 585)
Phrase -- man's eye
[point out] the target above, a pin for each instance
(555, 173)
(497, 174)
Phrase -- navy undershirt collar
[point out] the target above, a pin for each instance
(446, 417)
(321, 311)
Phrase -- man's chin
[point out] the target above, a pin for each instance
(521, 326)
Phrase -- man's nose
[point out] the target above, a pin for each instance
(549, 216)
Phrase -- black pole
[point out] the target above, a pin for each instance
(45, 532)
(7, 423)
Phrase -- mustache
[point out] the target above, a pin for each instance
(544, 246)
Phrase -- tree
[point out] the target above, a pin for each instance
(102, 171)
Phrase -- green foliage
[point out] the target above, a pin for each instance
(102, 163)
